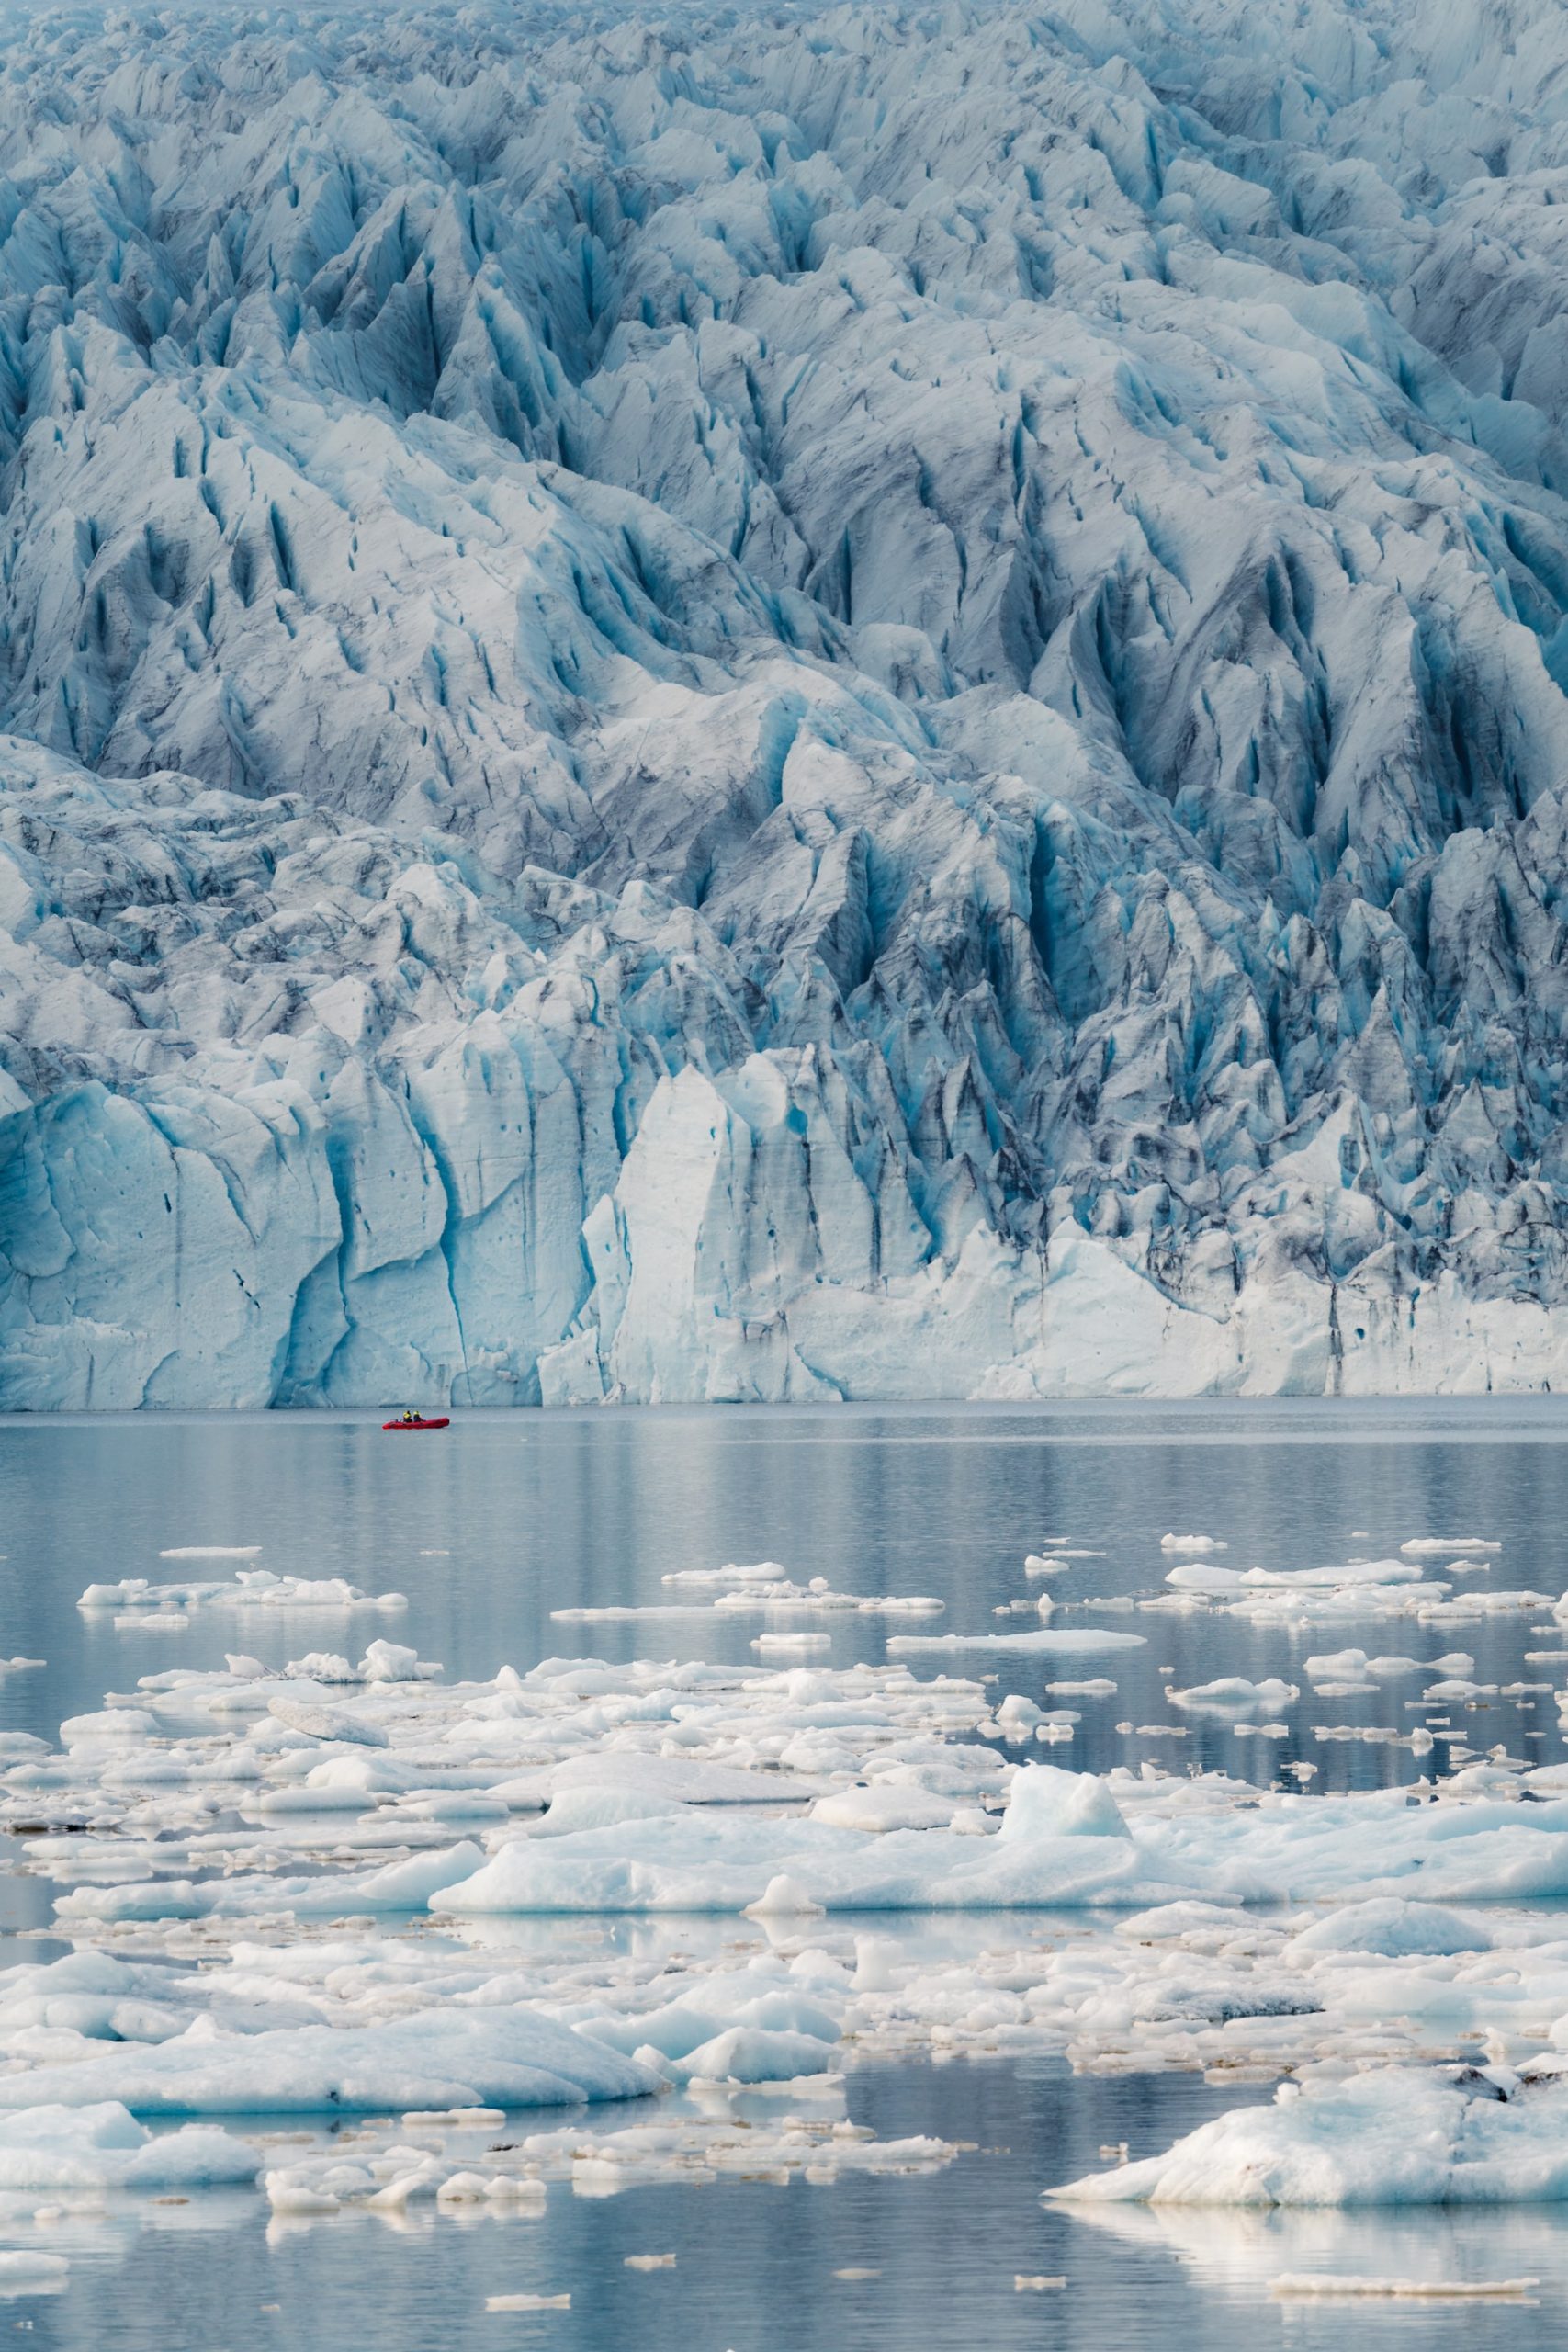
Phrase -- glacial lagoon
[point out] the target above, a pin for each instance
(507, 1519)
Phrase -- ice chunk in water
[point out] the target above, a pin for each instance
(1438, 1547)
(784, 1897)
(1390, 1925)
(212, 1552)
(883, 1804)
(1044, 1801)
(1078, 1641)
(600, 1807)
(1233, 1695)
(1195, 1578)
(101, 2146)
(1396, 2137)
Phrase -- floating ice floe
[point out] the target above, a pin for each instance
(727, 1578)
(820, 1595)
(1352, 1592)
(253, 1588)
(689, 1779)
(1396, 2137)
(1196, 1546)
(757, 1594)
(1063, 1840)
(1232, 1694)
(1352, 1573)
(1328, 2285)
(1442, 1547)
(629, 1612)
(1351, 1668)
(211, 1551)
(886, 1804)
(1079, 1641)
(99, 2145)
(447, 2057)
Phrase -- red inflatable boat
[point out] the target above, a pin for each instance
(443, 1422)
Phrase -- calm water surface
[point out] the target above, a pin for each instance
(491, 1526)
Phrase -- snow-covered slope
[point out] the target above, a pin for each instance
(767, 705)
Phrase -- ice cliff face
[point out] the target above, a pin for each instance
(861, 703)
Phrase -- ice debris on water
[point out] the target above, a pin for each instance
(283, 1830)
(1351, 1592)
(212, 1552)
(251, 1588)
(454, 2169)
(729, 1576)
(1440, 1547)
(1350, 1575)
(1078, 1641)
(627, 1828)
(1232, 1694)
(753, 1593)
(1328, 2285)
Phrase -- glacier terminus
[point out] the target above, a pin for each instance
(777, 704)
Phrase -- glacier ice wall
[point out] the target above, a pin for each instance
(779, 704)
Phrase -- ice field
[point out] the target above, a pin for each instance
(599, 1880)
(781, 703)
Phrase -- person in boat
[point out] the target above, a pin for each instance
(409, 1417)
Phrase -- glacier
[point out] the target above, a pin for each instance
(780, 704)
